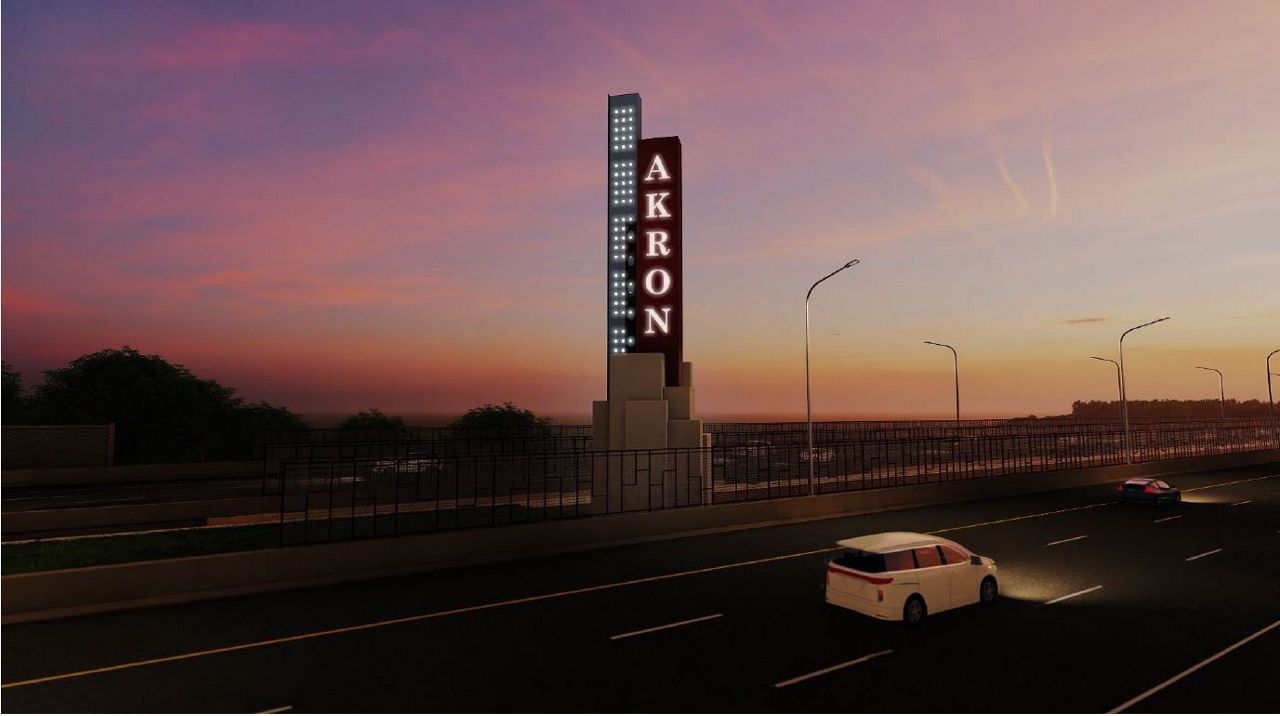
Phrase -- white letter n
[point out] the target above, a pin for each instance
(663, 322)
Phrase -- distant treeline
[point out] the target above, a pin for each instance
(1169, 409)
(165, 413)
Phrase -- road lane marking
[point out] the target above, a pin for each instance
(1203, 554)
(409, 619)
(277, 710)
(1195, 668)
(1233, 482)
(1065, 597)
(673, 625)
(829, 669)
(1016, 519)
(512, 602)
(1064, 541)
(1243, 502)
(1166, 519)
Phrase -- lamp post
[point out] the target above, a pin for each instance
(1119, 390)
(1222, 395)
(1124, 393)
(1271, 401)
(955, 359)
(808, 400)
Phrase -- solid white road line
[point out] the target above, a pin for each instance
(1166, 519)
(277, 710)
(1243, 502)
(1195, 668)
(1233, 482)
(673, 625)
(1065, 597)
(1203, 554)
(1064, 541)
(829, 669)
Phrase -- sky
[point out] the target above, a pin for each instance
(337, 206)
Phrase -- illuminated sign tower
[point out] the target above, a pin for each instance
(649, 401)
(644, 295)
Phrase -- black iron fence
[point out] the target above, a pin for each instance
(398, 493)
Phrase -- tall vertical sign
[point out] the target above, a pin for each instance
(659, 297)
(643, 301)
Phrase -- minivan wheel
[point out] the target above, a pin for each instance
(914, 611)
(989, 590)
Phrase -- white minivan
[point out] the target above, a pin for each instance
(905, 575)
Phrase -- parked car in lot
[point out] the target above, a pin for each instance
(1149, 491)
(905, 575)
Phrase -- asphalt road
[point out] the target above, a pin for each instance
(536, 634)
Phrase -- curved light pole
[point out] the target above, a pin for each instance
(956, 361)
(1119, 390)
(1222, 395)
(1124, 393)
(1271, 401)
(808, 401)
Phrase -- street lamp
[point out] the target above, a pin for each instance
(1119, 390)
(1271, 401)
(956, 362)
(1124, 393)
(808, 401)
(1222, 395)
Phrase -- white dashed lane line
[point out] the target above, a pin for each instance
(1166, 519)
(1203, 554)
(1064, 541)
(673, 625)
(1065, 597)
(829, 669)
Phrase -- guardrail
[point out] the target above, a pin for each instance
(325, 500)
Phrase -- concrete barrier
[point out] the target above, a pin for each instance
(108, 474)
(87, 590)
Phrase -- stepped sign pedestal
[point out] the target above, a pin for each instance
(643, 412)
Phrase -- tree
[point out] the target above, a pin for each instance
(372, 419)
(162, 412)
(499, 416)
(14, 406)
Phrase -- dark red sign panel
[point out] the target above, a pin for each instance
(659, 319)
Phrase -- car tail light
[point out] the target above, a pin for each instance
(1120, 487)
(879, 595)
(1150, 489)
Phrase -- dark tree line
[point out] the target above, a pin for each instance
(162, 411)
(165, 413)
(1169, 409)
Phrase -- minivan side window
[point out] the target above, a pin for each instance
(927, 557)
(953, 555)
(898, 561)
(861, 561)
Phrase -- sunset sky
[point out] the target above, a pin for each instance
(337, 205)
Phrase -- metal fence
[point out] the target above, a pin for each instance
(372, 496)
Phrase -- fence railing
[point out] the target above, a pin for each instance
(373, 496)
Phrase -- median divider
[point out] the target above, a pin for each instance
(89, 590)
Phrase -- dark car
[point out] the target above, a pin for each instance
(1148, 491)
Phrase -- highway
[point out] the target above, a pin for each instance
(1103, 606)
